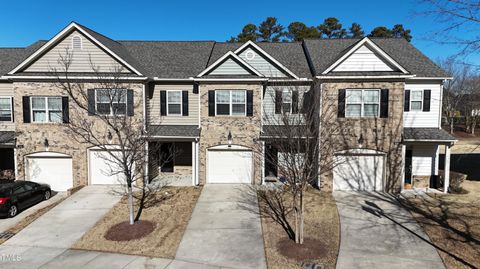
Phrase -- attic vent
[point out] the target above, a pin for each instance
(250, 55)
(77, 42)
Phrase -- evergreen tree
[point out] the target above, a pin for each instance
(356, 31)
(249, 32)
(298, 31)
(399, 31)
(270, 30)
(332, 28)
(381, 31)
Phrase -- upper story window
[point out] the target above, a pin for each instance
(416, 101)
(287, 101)
(6, 109)
(76, 42)
(46, 109)
(362, 103)
(174, 103)
(230, 102)
(111, 101)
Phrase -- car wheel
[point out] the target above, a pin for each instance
(12, 211)
(47, 195)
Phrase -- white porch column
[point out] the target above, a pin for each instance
(263, 162)
(146, 171)
(404, 154)
(194, 163)
(446, 177)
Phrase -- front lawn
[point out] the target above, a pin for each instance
(453, 224)
(322, 230)
(170, 218)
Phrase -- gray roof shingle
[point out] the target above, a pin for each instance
(324, 52)
(174, 130)
(433, 134)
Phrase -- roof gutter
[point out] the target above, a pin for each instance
(72, 77)
(441, 78)
(365, 77)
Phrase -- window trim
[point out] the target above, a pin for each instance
(111, 114)
(47, 110)
(362, 103)
(411, 100)
(230, 103)
(11, 108)
(288, 91)
(181, 103)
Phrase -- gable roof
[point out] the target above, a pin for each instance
(113, 48)
(324, 52)
(230, 56)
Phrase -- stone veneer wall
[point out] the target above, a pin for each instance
(381, 134)
(245, 130)
(31, 136)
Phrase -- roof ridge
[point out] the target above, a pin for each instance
(166, 41)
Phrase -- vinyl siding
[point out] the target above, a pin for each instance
(6, 90)
(83, 59)
(229, 67)
(420, 119)
(269, 116)
(363, 59)
(261, 64)
(424, 160)
(153, 107)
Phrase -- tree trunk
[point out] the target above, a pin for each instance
(130, 205)
(297, 226)
(302, 219)
(141, 204)
(451, 126)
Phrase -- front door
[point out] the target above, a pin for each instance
(408, 168)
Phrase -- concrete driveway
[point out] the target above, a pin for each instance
(57, 230)
(225, 229)
(378, 233)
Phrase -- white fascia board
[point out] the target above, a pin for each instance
(250, 43)
(71, 77)
(231, 79)
(375, 48)
(432, 78)
(172, 79)
(366, 77)
(233, 55)
(61, 35)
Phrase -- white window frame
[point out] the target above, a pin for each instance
(111, 107)
(180, 103)
(47, 111)
(362, 103)
(421, 100)
(290, 92)
(11, 108)
(231, 103)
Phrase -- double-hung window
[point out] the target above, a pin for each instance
(287, 101)
(46, 109)
(6, 109)
(230, 102)
(416, 100)
(111, 101)
(362, 103)
(174, 103)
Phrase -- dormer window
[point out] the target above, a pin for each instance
(77, 43)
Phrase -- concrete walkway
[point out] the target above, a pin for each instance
(377, 233)
(6, 223)
(225, 229)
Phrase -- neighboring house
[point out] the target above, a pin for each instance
(208, 102)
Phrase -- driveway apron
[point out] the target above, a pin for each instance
(376, 232)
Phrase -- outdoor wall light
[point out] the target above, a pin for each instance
(229, 138)
(109, 137)
(46, 144)
(360, 141)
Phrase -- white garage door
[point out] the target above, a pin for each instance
(359, 173)
(226, 166)
(51, 168)
(103, 169)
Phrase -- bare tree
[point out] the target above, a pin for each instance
(292, 147)
(101, 116)
(471, 105)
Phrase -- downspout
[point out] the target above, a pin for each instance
(319, 133)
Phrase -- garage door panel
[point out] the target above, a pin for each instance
(56, 172)
(103, 169)
(230, 167)
(359, 173)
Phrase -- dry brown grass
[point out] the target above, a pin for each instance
(453, 224)
(171, 217)
(29, 219)
(321, 223)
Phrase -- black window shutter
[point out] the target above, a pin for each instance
(26, 109)
(406, 105)
(129, 102)
(163, 103)
(195, 88)
(185, 103)
(341, 103)
(91, 101)
(384, 103)
(294, 102)
(427, 95)
(13, 112)
(211, 103)
(66, 114)
(249, 103)
(278, 101)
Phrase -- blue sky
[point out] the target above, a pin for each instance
(27, 21)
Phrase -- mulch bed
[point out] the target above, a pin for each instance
(311, 249)
(124, 231)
